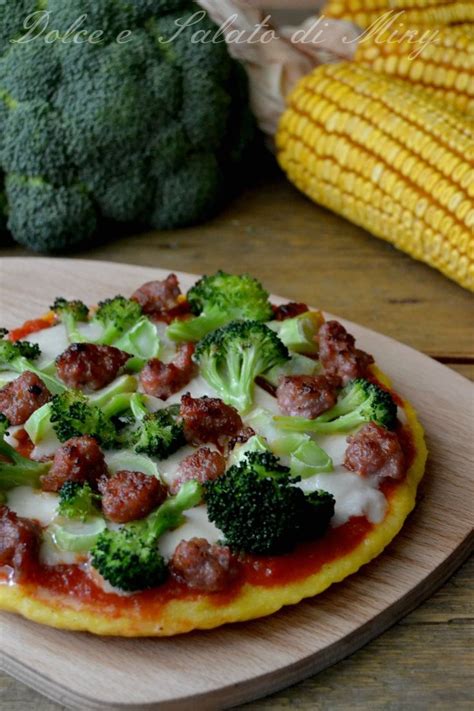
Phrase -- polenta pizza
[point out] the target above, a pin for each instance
(173, 461)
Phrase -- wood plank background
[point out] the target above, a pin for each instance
(306, 253)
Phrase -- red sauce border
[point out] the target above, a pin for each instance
(266, 571)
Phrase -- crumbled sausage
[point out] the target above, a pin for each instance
(164, 379)
(85, 365)
(129, 496)
(202, 566)
(158, 297)
(307, 395)
(208, 419)
(241, 437)
(290, 310)
(202, 465)
(338, 354)
(79, 459)
(19, 543)
(23, 396)
(375, 451)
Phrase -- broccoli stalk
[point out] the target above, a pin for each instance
(360, 402)
(219, 299)
(233, 356)
(17, 470)
(78, 501)
(70, 314)
(299, 334)
(129, 558)
(19, 356)
(260, 510)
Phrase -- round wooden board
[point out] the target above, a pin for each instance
(230, 665)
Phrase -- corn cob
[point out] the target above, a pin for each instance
(386, 158)
(444, 69)
(416, 12)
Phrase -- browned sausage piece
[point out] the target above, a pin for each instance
(156, 297)
(241, 437)
(19, 543)
(208, 419)
(79, 459)
(202, 566)
(290, 310)
(129, 496)
(202, 465)
(164, 379)
(338, 354)
(23, 396)
(375, 451)
(307, 395)
(85, 365)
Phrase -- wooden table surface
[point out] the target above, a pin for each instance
(305, 253)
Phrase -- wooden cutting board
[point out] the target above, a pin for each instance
(224, 667)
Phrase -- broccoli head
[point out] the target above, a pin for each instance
(260, 510)
(129, 558)
(116, 316)
(231, 357)
(360, 401)
(20, 356)
(72, 415)
(77, 500)
(158, 434)
(219, 299)
(143, 126)
(15, 469)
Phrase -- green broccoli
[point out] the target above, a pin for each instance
(116, 316)
(361, 401)
(17, 470)
(129, 558)
(71, 313)
(219, 299)
(73, 416)
(154, 130)
(157, 434)
(78, 501)
(260, 510)
(231, 357)
(19, 356)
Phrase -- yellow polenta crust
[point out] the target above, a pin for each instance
(252, 601)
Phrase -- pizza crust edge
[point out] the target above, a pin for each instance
(252, 601)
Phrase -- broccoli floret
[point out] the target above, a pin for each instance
(219, 299)
(260, 510)
(299, 333)
(77, 500)
(70, 313)
(231, 357)
(48, 218)
(86, 127)
(19, 356)
(129, 558)
(72, 416)
(17, 470)
(116, 316)
(158, 434)
(361, 401)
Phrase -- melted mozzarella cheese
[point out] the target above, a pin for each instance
(54, 341)
(31, 503)
(354, 495)
(196, 525)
